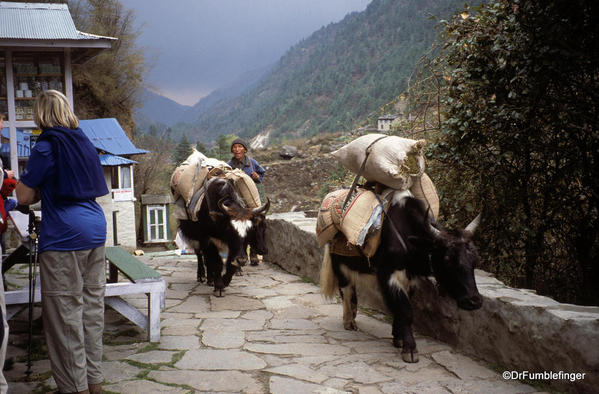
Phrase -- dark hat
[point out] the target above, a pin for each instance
(240, 142)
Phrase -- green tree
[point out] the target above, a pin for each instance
(182, 151)
(522, 128)
(222, 150)
(109, 84)
(200, 147)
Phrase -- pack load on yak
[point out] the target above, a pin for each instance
(188, 183)
(350, 220)
(220, 215)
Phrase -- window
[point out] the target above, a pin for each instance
(122, 182)
(156, 220)
(33, 74)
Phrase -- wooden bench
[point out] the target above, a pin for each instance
(143, 279)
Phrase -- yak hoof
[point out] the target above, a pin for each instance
(201, 280)
(218, 292)
(350, 326)
(210, 282)
(397, 342)
(410, 356)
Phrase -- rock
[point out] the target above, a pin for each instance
(288, 152)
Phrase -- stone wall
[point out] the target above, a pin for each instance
(515, 329)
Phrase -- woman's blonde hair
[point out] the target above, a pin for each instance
(52, 109)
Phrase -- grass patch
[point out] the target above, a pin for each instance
(149, 347)
(305, 279)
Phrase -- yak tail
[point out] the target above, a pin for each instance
(328, 280)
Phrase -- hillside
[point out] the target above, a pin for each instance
(335, 79)
(157, 109)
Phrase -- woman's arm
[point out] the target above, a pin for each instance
(27, 195)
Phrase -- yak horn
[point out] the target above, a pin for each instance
(434, 230)
(263, 209)
(223, 207)
(471, 228)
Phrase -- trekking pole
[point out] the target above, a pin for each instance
(32, 272)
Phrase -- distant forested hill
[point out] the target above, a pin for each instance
(336, 77)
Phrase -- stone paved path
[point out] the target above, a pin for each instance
(271, 333)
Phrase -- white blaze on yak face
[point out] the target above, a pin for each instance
(241, 226)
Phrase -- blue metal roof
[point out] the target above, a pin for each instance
(112, 160)
(107, 135)
(23, 144)
(40, 21)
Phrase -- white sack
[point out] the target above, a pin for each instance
(392, 161)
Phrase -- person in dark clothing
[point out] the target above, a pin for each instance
(244, 162)
(251, 167)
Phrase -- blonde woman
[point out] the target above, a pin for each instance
(65, 172)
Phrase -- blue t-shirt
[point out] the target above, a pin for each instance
(66, 224)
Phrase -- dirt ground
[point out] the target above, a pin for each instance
(300, 183)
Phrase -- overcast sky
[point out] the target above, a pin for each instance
(196, 46)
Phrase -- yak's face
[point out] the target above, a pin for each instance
(454, 259)
(246, 225)
(257, 237)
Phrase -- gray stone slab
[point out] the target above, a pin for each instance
(223, 339)
(299, 288)
(211, 381)
(338, 383)
(301, 349)
(176, 321)
(232, 324)
(176, 315)
(280, 302)
(283, 385)
(281, 276)
(292, 324)
(153, 357)
(258, 292)
(269, 337)
(462, 366)
(359, 372)
(299, 371)
(489, 387)
(193, 304)
(202, 289)
(179, 342)
(257, 315)
(369, 390)
(204, 359)
(218, 315)
(119, 352)
(188, 287)
(142, 386)
(117, 371)
(297, 312)
(310, 300)
(377, 346)
(180, 330)
(177, 294)
(236, 303)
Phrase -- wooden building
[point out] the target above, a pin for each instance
(38, 46)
